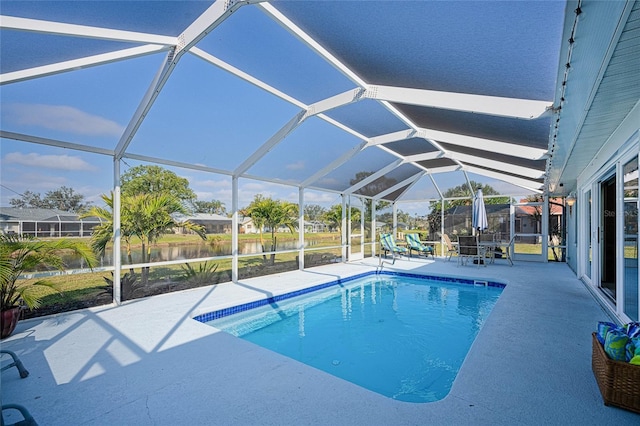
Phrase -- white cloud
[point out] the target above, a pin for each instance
(60, 162)
(298, 165)
(256, 187)
(321, 198)
(329, 181)
(224, 194)
(204, 196)
(35, 182)
(210, 183)
(62, 118)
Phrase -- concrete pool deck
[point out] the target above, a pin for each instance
(148, 363)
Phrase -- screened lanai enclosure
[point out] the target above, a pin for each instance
(392, 113)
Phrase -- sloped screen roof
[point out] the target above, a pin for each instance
(319, 94)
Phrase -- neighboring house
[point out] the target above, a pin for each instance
(247, 226)
(45, 222)
(213, 223)
(314, 226)
(527, 218)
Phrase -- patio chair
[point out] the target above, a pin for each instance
(506, 254)
(451, 248)
(487, 243)
(414, 244)
(16, 363)
(389, 245)
(28, 419)
(468, 248)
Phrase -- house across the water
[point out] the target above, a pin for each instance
(45, 222)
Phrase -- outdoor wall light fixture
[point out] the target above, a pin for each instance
(571, 200)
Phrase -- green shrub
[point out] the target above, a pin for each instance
(204, 274)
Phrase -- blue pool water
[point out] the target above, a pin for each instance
(401, 336)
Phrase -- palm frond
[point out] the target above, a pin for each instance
(19, 255)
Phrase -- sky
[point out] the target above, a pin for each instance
(203, 115)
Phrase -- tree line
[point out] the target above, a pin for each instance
(137, 180)
(152, 195)
(460, 195)
(155, 179)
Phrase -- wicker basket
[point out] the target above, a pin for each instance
(619, 382)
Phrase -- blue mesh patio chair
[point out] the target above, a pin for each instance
(414, 244)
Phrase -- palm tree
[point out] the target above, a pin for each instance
(146, 216)
(271, 214)
(19, 255)
(334, 216)
(103, 234)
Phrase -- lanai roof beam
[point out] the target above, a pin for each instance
(364, 182)
(205, 23)
(85, 31)
(75, 64)
(478, 104)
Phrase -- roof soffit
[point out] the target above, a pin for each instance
(599, 92)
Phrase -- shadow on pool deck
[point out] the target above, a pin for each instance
(148, 362)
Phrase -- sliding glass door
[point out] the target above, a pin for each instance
(630, 228)
(588, 236)
(607, 236)
(609, 253)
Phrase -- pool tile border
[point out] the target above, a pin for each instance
(221, 313)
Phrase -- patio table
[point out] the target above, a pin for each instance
(490, 248)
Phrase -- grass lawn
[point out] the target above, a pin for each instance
(89, 289)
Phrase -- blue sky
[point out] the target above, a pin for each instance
(203, 115)
(93, 107)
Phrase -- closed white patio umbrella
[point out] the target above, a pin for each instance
(479, 213)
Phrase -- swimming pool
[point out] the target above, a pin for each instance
(404, 336)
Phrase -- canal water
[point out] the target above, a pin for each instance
(189, 251)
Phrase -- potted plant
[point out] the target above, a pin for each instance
(19, 255)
